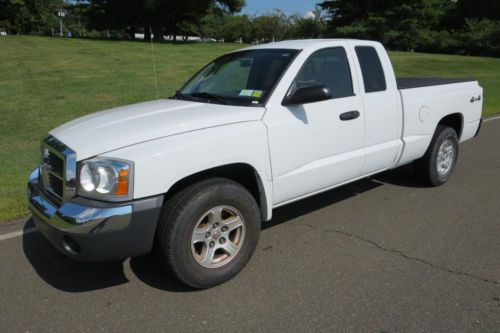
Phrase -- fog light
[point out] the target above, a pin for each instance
(70, 245)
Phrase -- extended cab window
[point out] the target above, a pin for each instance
(239, 78)
(371, 68)
(328, 67)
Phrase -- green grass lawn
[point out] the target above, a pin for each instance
(45, 82)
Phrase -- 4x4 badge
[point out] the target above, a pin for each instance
(475, 99)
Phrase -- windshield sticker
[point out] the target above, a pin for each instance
(246, 92)
(257, 93)
(251, 93)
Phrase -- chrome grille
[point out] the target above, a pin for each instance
(58, 170)
(56, 186)
(55, 163)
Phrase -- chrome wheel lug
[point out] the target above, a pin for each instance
(207, 234)
(222, 240)
(224, 229)
(216, 225)
(212, 244)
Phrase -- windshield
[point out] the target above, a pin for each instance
(239, 78)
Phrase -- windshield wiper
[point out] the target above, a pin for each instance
(207, 95)
(179, 95)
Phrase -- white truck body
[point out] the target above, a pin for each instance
(193, 176)
(295, 151)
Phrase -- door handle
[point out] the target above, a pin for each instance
(349, 115)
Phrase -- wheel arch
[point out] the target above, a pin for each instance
(243, 173)
(453, 120)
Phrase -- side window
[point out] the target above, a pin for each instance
(329, 67)
(371, 68)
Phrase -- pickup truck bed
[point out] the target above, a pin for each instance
(419, 82)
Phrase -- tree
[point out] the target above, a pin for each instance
(401, 24)
(159, 16)
(236, 27)
(481, 37)
(212, 25)
(310, 26)
(75, 19)
(479, 9)
(269, 27)
(29, 16)
(224, 25)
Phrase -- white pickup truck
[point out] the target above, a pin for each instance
(193, 176)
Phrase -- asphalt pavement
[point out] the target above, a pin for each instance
(383, 254)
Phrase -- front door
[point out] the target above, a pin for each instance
(314, 146)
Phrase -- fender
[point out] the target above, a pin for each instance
(161, 163)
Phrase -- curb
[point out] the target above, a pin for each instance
(13, 225)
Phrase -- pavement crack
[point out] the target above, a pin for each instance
(403, 255)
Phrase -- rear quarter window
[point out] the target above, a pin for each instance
(371, 69)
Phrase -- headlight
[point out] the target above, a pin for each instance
(105, 178)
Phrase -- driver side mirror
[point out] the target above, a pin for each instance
(307, 94)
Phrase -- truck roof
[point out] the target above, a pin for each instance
(301, 44)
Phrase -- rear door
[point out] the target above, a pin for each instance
(311, 147)
(382, 106)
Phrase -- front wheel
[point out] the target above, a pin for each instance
(436, 166)
(208, 232)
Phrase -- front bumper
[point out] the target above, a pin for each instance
(92, 230)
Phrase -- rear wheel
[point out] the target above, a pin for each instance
(208, 232)
(436, 166)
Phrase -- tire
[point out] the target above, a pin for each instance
(188, 229)
(437, 165)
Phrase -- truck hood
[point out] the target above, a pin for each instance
(128, 125)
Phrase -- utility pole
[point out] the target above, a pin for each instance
(79, 14)
(61, 15)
